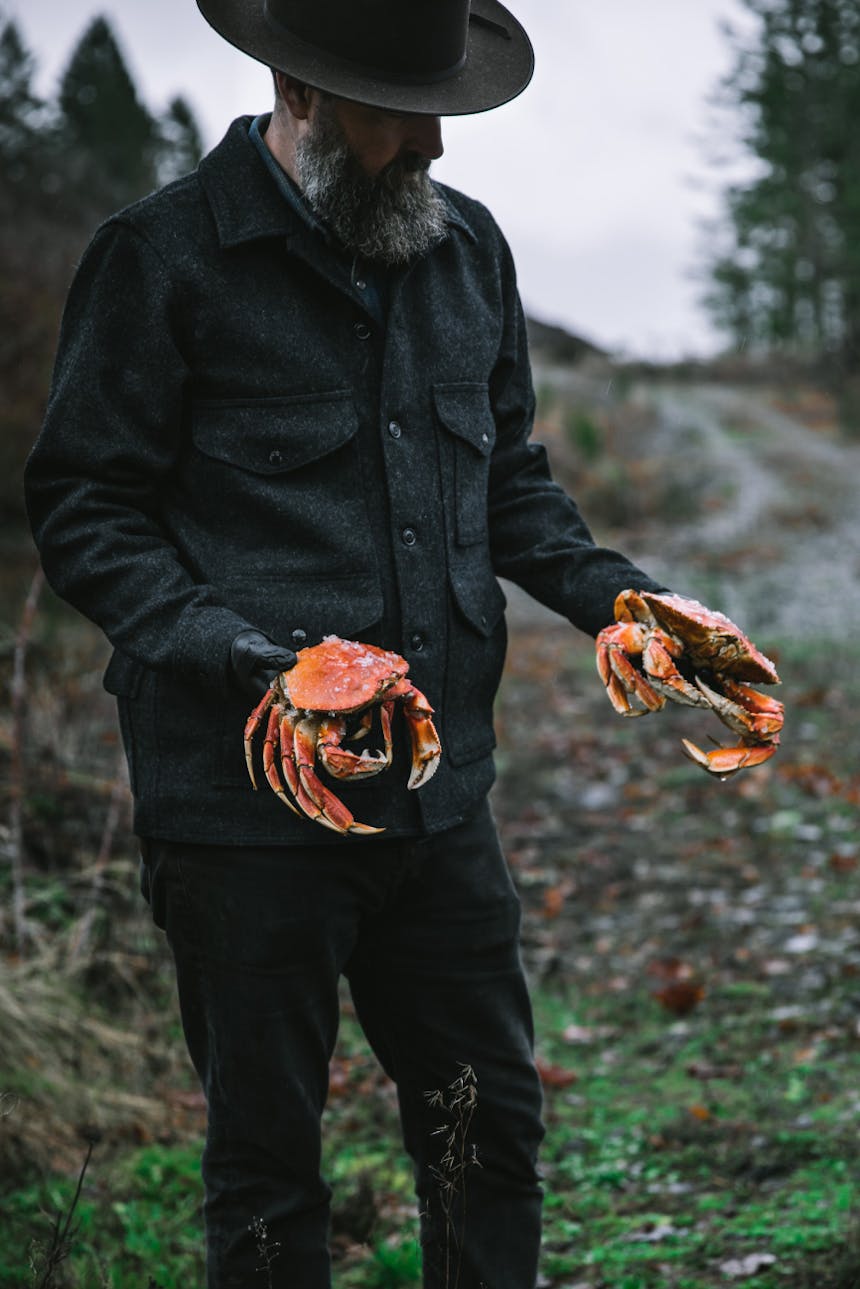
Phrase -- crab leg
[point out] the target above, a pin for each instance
(745, 710)
(288, 769)
(252, 725)
(658, 661)
(314, 798)
(622, 680)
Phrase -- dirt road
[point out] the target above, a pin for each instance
(771, 529)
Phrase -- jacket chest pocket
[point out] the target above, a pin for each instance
(270, 436)
(282, 479)
(463, 409)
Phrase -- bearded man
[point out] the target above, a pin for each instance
(292, 399)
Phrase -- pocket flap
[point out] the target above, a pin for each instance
(480, 600)
(274, 436)
(464, 408)
(296, 613)
(122, 676)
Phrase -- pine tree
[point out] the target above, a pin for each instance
(114, 137)
(20, 109)
(182, 146)
(789, 277)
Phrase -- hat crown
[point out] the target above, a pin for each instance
(404, 40)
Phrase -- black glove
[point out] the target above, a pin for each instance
(256, 661)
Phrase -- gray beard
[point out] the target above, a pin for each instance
(390, 218)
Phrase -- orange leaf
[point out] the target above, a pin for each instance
(553, 901)
(555, 1076)
(842, 863)
(680, 997)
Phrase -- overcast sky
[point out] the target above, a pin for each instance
(598, 173)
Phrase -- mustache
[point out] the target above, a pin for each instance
(410, 164)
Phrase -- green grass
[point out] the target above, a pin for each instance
(654, 1177)
(652, 1173)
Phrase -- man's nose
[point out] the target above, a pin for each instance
(425, 137)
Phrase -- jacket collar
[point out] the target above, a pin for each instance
(245, 201)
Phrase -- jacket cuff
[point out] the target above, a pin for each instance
(204, 637)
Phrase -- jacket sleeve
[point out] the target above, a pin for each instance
(112, 433)
(538, 537)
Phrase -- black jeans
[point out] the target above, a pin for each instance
(427, 934)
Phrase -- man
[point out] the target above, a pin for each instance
(292, 399)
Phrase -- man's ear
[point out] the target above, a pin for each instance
(294, 95)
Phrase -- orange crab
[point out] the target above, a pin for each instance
(675, 640)
(308, 707)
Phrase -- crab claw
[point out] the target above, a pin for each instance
(426, 748)
(342, 763)
(317, 801)
(725, 761)
(745, 710)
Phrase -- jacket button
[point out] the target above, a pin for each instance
(362, 330)
(394, 429)
(275, 457)
(409, 537)
(485, 438)
(299, 637)
(360, 283)
(483, 619)
(417, 642)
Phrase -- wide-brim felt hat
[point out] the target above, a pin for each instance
(442, 57)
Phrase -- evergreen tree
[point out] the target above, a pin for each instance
(115, 138)
(20, 109)
(64, 166)
(182, 146)
(789, 276)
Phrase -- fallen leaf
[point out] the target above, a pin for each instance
(738, 1268)
(700, 1112)
(680, 997)
(579, 1034)
(802, 943)
(553, 901)
(555, 1076)
(661, 1231)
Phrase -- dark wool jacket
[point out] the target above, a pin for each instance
(233, 441)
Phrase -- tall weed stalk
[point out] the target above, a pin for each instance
(458, 1102)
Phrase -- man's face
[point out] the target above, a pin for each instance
(377, 138)
(364, 172)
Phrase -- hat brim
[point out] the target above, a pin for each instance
(499, 61)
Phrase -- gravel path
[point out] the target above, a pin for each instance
(780, 552)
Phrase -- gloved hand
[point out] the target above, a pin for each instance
(256, 660)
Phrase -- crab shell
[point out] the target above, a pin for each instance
(342, 676)
(710, 639)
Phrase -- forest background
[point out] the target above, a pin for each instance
(693, 946)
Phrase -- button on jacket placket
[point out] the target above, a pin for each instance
(412, 557)
(415, 498)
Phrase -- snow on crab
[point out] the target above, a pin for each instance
(697, 657)
(307, 717)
